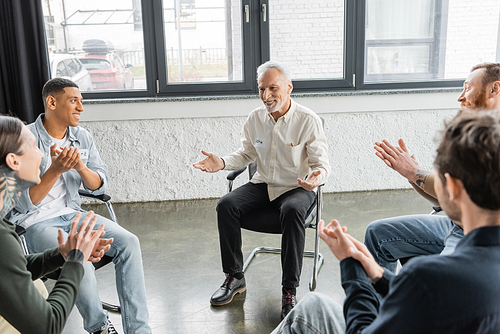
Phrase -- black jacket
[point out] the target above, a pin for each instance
(458, 293)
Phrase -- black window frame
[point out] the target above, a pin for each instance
(256, 50)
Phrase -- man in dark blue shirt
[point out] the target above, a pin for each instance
(456, 293)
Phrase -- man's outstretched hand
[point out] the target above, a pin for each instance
(211, 164)
(398, 158)
(311, 181)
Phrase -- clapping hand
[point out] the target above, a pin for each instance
(85, 239)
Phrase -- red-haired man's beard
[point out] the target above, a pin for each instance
(479, 103)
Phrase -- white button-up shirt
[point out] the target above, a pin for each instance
(287, 149)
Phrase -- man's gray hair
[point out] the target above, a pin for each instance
(274, 64)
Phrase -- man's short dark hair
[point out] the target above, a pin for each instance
(492, 72)
(470, 152)
(56, 86)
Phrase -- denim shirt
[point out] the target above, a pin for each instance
(79, 138)
(457, 293)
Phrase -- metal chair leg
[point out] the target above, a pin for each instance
(317, 254)
(111, 307)
(267, 250)
(317, 264)
(318, 258)
(111, 211)
(318, 261)
(23, 245)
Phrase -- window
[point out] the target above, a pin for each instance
(141, 48)
(402, 40)
(49, 21)
(208, 46)
(308, 37)
(95, 30)
(427, 43)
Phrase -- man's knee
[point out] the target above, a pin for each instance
(125, 243)
(313, 298)
(376, 229)
(225, 203)
(130, 240)
(374, 234)
(313, 302)
(375, 226)
(294, 210)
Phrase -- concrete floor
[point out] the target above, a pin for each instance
(182, 268)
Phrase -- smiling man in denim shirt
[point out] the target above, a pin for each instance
(70, 160)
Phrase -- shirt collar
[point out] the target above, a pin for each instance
(44, 135)
(290, 112)
(481, 236)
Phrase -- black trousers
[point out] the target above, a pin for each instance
(250, 199)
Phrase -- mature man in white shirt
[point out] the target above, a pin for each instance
(289, 144)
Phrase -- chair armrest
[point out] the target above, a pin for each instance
(234, 174)
(436, 209)
(102, 198)
(20, 230)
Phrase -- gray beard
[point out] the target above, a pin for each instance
(275, 109)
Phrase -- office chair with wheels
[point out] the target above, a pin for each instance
(268, 222)
(106, 199)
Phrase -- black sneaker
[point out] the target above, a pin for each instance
(108, 328)
(231, 286)
(288, 302)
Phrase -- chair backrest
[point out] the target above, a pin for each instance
(252, 168)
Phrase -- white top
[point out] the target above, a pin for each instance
(54, 204)
(287, 149)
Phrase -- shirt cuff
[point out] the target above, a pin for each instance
(227, 162)
(75, 255)
(382, 285)
(351, 269)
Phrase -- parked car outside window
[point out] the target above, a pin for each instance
(69, 67)
(105, 67)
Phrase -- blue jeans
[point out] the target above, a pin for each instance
(126, 253)
(316, 313)
(400, 237)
